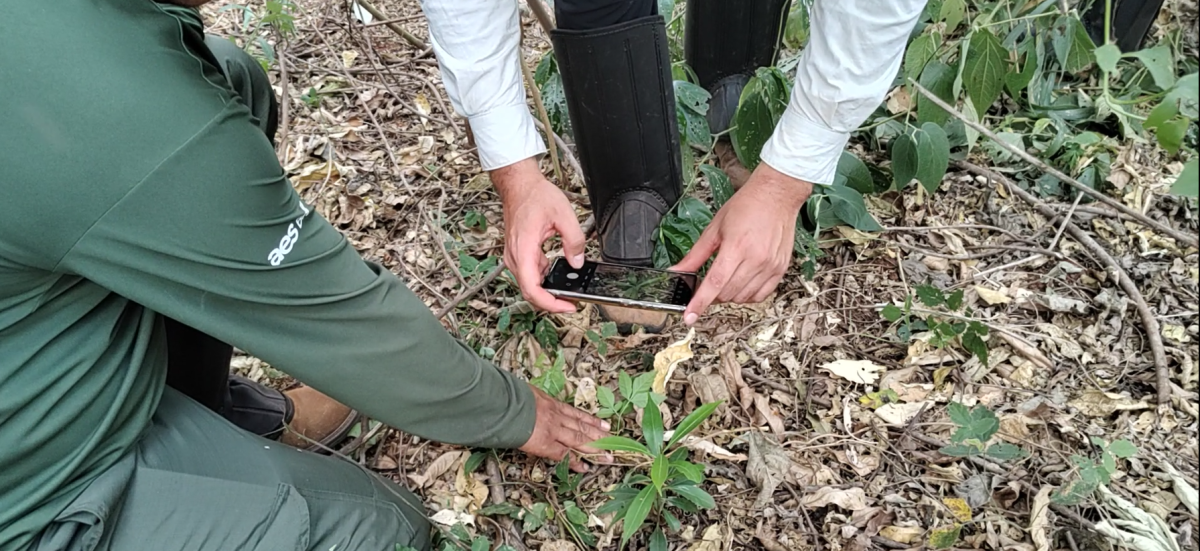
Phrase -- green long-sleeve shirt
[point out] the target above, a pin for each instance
(134, 185)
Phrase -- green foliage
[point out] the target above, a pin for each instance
(975, 427)
(551, 378)
(670, 482)
(679, 230)
(944, 330)
(472, 268)
(923, 154)
(762, 104)
(475, 220)
(554, 98)
(1091, 474)
(274, 17)
(691, 107)
(599, 339)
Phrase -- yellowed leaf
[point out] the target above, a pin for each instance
(470, 487)
(348, 58)
(1177, 333)
(959, 508)
(422, 104)
(712, 540)
(716, 452)
(668, 359)
(939, 376)
(899, 414)
(863, 372)
(902, 534)
(854, 236)
(438, 467)
(992, 297)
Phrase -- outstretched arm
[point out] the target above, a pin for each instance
(478, 49)
(844, 73)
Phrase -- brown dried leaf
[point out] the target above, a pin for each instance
(667, 359)
(1096, 403)
(438, 467)
(768, 466)
(850, 499)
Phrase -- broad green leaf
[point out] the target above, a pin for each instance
(848, 205)
(504, 508)
(666, 8)
(658, 540)
(944, 538)
(1003, 451)
(639, 508)
(546, 334)
(904, 160)
(974, 344)
(855, 173)
(1161, 113)
(535, 517)
(1108, 462)
(978, 423)
(474, 461)
(672, 521)
(693, 493)
(691, 106)
(954, 300)
(984, 69)
(939, 79)
(1186, 94)
(481, 544)
(1072, 45)
(1107, 57)
(795, 32)
(1161, 64)
(1123, 449)
(930, 295)
(620, 444)
(652, 428)
(659, 471)
(718, 184)
(1171, 133)
(933, 156)
(683, 505)
(892, 313)
(763, 101)
(605, 397)
(1017, 81)
(624, 384)
(1186, 184)
(693, 420)
(952, 13)
(959, 414)
(919, 52)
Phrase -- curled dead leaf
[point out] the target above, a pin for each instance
(1097, 403)
(667, 359)
(850, 499)
(863, 372)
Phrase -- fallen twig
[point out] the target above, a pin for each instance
(468, 293)
(407, 36)
(563, 147)
(541, 111)
(1149, 322)
(1141, 218)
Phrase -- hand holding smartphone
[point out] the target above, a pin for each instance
(620, 285)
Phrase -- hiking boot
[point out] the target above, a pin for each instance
(318, 422)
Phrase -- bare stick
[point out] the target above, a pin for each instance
(563, 147)
(468, 293)
(1141, 218)
(545, 19)
(441, 237)
(541, 111)
(1149, 322)
(407, 36)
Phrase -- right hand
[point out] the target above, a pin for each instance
(535, 211)
(561, 429)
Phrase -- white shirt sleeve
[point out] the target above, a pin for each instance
(852, 58)
(478, 49)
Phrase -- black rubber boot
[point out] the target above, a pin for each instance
(621, 99)
(725, 41)
(1131, 21)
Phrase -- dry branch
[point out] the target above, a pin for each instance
(407, 36)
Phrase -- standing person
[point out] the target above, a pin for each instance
(615, 66)
(145, 222)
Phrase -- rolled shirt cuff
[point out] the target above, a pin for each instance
(506, 135)
(804, 149)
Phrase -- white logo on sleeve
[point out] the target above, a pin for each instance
(289, 239)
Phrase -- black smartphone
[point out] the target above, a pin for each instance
(621, 285)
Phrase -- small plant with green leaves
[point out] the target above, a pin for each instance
(672, 483)
(551, 378)
(1091, 474)
(471, 268)
(475, 220)
(976, 426)
(275, 16)
(634, 391)
(944, 329)
(600, 338)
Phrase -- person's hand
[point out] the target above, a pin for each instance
(754, 232)
(534, 211)
(561, 429)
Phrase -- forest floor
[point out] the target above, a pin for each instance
(809, 449)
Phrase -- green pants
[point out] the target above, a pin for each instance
(196, 482)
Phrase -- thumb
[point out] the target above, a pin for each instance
(700, 252)
(573, 239)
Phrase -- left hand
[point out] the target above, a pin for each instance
(754, 232)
